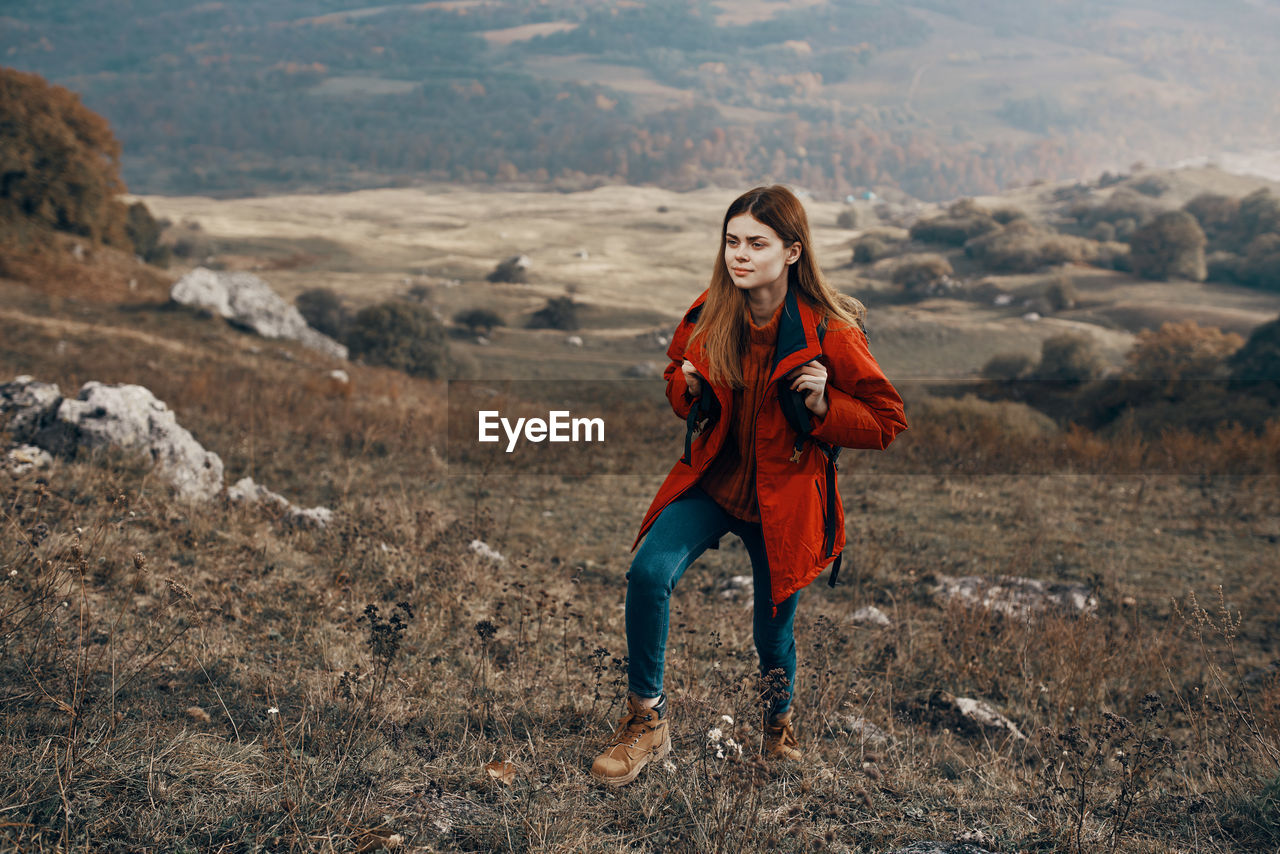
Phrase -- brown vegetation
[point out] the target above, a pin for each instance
(205, 678)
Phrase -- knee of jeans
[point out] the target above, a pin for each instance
(647, 577)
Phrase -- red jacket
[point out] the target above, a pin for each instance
(864, 411)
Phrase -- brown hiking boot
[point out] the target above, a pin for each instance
(641, 735)
(780, 739)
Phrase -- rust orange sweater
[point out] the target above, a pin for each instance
(731, 477)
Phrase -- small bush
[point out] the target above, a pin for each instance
(1259, 215)
(847, 218)
(324, 311)
(1169, 247)
(557, 313)
(1259, 358)
(1223, 267)
(514, 270)
(1216, 215)
(1020, 247)
(144, 232)
(478, 319)
(1123, 204)
(1103, 232)
(1007, 367)
(400, 335)
(921, 274)
(868, 250)
(1151, 185)
(1068, 358)
(1004, 216)
(1178, 352)
(1061, 294)
(963, 221)
(1261, 265)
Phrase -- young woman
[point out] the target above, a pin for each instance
(770, 369)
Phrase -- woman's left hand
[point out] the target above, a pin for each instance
(811, 380)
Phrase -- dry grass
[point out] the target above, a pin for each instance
(138, 691)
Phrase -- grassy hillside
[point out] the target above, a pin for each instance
(210, 679)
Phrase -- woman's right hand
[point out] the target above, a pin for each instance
(691, 378)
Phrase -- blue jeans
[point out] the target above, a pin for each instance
(685, 529)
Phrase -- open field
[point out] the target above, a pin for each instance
(637, 256)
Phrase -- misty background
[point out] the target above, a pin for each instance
(936, 98)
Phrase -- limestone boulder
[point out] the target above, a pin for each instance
(247, 301)
(130, 417)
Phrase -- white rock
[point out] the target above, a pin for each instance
(574, 340)
(129, 417)
(339, 376)
(245, 490)
(872, 616)
(24, 458)
(1031, 316)
(248, 301)
(1003, 299)
(482, 548)
(985, 715)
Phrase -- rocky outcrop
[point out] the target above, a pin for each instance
(128, 417)
(245, 490)
(102, 416)
(249, 302)
(131, 418)
(1017, 597)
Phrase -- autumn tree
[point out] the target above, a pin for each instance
(59, 161)
(1178, 352)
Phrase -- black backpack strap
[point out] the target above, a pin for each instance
(701, 416)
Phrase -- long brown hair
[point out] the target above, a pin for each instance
(722, 325)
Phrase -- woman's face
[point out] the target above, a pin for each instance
(755, 255)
